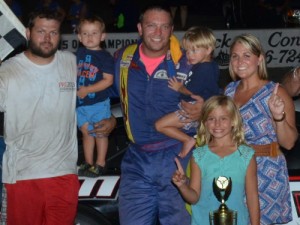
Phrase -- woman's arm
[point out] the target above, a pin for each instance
(283, 112)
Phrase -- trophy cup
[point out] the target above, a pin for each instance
(222, 216)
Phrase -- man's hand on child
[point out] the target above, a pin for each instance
(104, 127)
(192, 111)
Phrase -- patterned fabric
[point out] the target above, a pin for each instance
(186, 126)
(256, 115)
(273, 184)
(274, 190)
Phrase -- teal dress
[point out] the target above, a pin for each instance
(212, 166)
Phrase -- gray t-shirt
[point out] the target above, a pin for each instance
(38, 102)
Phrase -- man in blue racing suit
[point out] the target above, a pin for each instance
(141, 77)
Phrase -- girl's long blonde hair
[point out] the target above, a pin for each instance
(237, 132)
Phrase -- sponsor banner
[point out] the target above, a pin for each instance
(112, 42)
(282, 46)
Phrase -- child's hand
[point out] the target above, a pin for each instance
(82, 92)
(175, 84)
(179, 178)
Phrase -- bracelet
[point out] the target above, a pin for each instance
(281, 119)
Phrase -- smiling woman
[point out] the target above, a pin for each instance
(269, 121)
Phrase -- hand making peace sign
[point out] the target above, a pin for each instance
(179, 178)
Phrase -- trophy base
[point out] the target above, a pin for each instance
(223, 217)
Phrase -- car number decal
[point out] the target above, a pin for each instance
(103, 187)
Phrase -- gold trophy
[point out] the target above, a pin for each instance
(222, 216)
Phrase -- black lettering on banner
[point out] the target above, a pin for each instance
(285, 41)
(64, 44)
(284, 56)
(119, 43)
(75, 44)
(276, 39)
(110, 43)
(292, 56)
(224, 42)
(289, 56)
(269, 56)
(284, 53)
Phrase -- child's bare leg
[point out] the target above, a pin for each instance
(88, 144)
(187, 146)
(170, 125)
(102, 146)
(99, 168)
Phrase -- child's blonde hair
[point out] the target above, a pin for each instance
(199, 37)
(237, 132)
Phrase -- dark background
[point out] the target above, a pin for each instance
(200, 12)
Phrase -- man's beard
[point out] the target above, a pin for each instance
(36, 50)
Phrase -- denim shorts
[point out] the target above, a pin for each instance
(93, 113)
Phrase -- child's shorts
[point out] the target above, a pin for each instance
(187, 126)
(93, 113)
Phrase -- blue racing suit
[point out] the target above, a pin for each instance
(146, 190)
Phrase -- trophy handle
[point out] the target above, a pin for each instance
(217, 191)
(228, 190)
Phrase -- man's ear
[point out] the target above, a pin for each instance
(27, 33)
(139, 27)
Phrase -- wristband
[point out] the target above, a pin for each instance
(281, 119)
